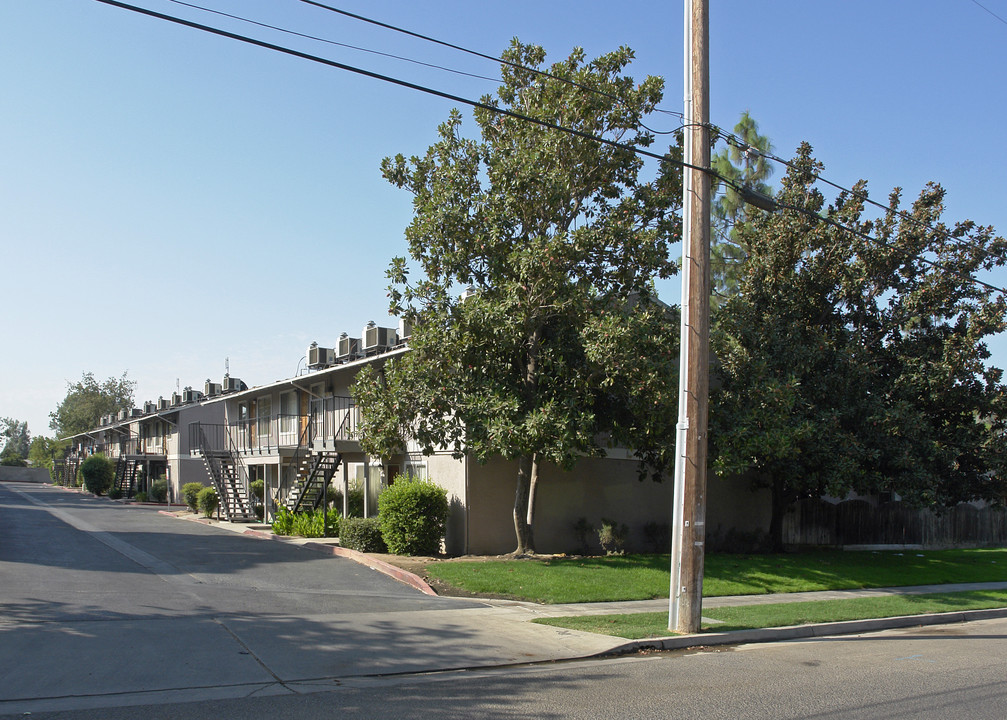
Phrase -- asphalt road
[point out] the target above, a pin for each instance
(934, 673)
(105, 605)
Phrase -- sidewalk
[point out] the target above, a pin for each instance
(506, 616)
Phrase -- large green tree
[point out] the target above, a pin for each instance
(558, 346)
(16, 441)
(87, 400)
(857, 364)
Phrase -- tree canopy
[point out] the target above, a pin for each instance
(87, 400)
(849, 363)
(16, 441)
(558, 239)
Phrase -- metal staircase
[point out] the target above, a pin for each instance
(313, 473)
(224, 469)
(125, 475)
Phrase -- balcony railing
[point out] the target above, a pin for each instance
(330, 420)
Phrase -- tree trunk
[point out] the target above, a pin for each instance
(780, 501)
(522, 498)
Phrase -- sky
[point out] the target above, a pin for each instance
(172, 201)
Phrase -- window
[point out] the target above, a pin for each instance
(265, 409)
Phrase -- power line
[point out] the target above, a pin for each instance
(333, 42)
(403, 83)
(519, 116)
(492, 58)
(990, 11)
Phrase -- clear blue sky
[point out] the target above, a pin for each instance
(169, 198)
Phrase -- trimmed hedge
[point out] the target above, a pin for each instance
(361, 534)
(97, 473)
(207, 501)
(190, 491)
(412, 514)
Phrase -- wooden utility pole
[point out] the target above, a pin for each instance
(689, 510)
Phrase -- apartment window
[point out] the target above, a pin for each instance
(265, 410)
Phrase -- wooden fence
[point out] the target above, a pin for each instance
(858, 522)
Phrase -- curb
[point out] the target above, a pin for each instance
(392, 571)
(799, 632)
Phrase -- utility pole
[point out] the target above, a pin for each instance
(689, 508)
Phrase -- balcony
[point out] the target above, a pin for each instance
(330, 423)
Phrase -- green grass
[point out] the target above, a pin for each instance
(641, 577)
(643, 625)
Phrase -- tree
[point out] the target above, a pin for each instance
(744, 166)
(16, 441)
(44, 450)
(856, 364)
(87, 400)
(558, 240)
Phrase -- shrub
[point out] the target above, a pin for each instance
(114, 493)
(361, 534)
(284, 522)
(207, 501)
(258, 490)
(612, 537)
(412, 514)
(190, 491)
(334, 498)
(97, 473)
(159, 491)
(355, 503)
(140, 496)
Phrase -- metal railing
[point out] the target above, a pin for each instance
(329, 420)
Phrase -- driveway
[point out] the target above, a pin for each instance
(106, 604)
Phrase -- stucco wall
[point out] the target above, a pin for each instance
(594, 489)
(10, 473)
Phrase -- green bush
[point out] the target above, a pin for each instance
(412, 514)
(334, 498)
(362, 534)
(97, 473)
(159, 491)
(258, 490)
(140, 496)
(612, 536)
(310, 523)
(114, 493)
(284, 522)
(207, 501)
(190, 491)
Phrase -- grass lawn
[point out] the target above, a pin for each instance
(641, 577)
(644, 625)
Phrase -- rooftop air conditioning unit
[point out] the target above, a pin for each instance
(348, 348)
(405, 330)
(176, 399)
(378, 339)
(211, 388)
(162, 404)
(136, 412)
(123, 414)
(189, 395)
(149, 408)
(231, 384)
(319, 357)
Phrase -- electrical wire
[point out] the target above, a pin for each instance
(519, 116)
(484, 56)
(333, 42)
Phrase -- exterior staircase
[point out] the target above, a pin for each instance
(224, 469)
(314, 473)
(125, 475)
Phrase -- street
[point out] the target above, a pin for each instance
(112, 611)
